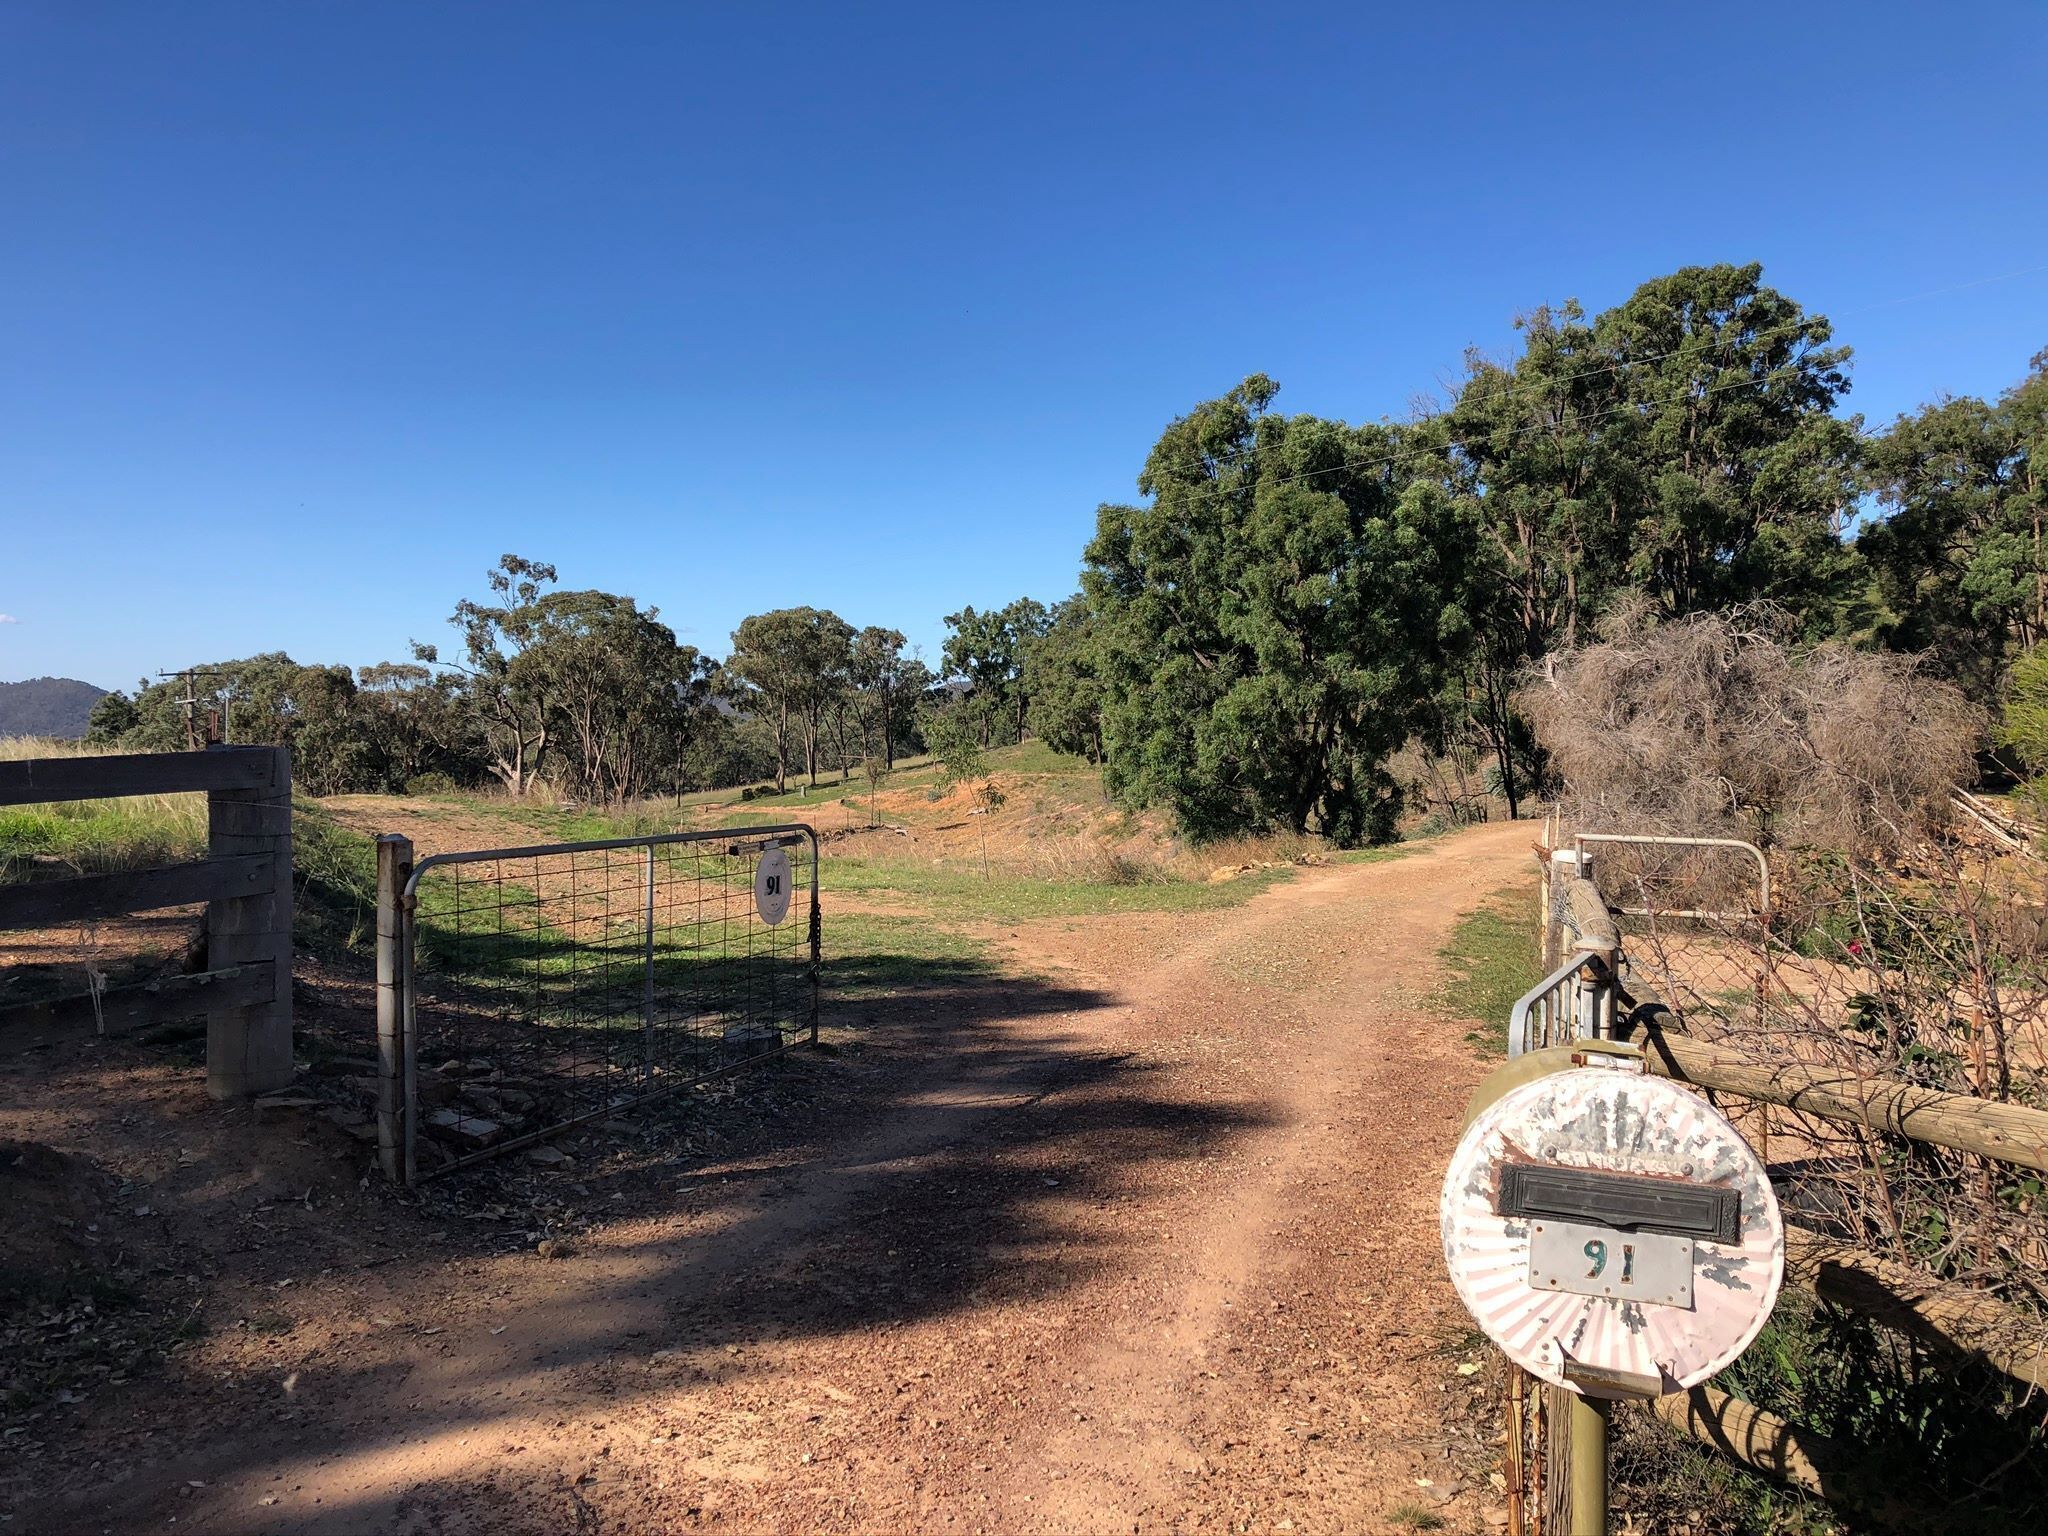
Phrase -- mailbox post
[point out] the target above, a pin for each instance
(1613, 1234)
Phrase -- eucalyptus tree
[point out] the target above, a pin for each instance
(504, 680)
(1959, 559)
(792, 664)
(988, 648)
(878, 671)
(626, 694)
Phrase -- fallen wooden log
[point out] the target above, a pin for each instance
(1765, 1443)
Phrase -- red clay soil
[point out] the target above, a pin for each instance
(1111, 1242)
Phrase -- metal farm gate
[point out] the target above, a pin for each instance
(1681, 919)
(1694, 921)
(522, 991)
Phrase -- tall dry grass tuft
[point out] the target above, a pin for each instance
(14, 749)
(1080, 858)
(1100, 858)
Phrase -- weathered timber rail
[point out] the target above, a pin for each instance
(245, 881)
(2011, 1133)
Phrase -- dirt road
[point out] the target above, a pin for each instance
(1142, 1238)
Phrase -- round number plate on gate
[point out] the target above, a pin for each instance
(1612, 1232)
(771, 886)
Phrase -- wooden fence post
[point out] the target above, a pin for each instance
(394, 868)
(249, 1047)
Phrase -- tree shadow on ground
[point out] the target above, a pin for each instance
(930, 1165)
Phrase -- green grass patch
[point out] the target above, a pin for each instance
(1382, 854)
(1035, 756)
(334, 876)
(97, 836)
(1489, 962)
(90, 837)
(966, 895)
(874, 956)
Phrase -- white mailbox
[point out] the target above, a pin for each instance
(1612, 1232)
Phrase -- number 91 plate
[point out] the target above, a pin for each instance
(1649, 1267)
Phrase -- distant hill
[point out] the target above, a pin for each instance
(47, 706)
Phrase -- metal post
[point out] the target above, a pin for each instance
(1577, 1454)
(394, 867)
(1518, 1429)
(647, 979)
(408, 942)
(1589, 1465)
(817, 948)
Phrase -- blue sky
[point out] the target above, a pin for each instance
(309, 311)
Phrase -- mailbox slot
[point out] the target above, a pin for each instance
(1629, 1202)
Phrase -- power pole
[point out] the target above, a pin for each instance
(191, 703)
(214, 729)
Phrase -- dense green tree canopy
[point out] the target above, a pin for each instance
(1272, 623)
(1959, 559)
(1064, 683)
(1680, 448)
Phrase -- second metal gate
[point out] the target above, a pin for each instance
(526, 990)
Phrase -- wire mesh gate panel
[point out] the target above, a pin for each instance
(1694, 917)
(552, 985)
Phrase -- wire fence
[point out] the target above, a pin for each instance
(549, 986)
(1934, 976)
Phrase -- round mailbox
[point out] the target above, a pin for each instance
(1612, 1232)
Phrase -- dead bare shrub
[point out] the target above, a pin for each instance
(1721, 724)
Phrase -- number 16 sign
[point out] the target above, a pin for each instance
(771, 886)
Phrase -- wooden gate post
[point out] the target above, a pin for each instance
(394, 868)
(249, 1047)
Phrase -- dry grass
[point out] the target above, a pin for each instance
(1103, 858)
(1081, 858)
(15, 749)
(93, 836)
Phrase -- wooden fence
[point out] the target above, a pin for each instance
(1953, 1317)
(245, 880)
